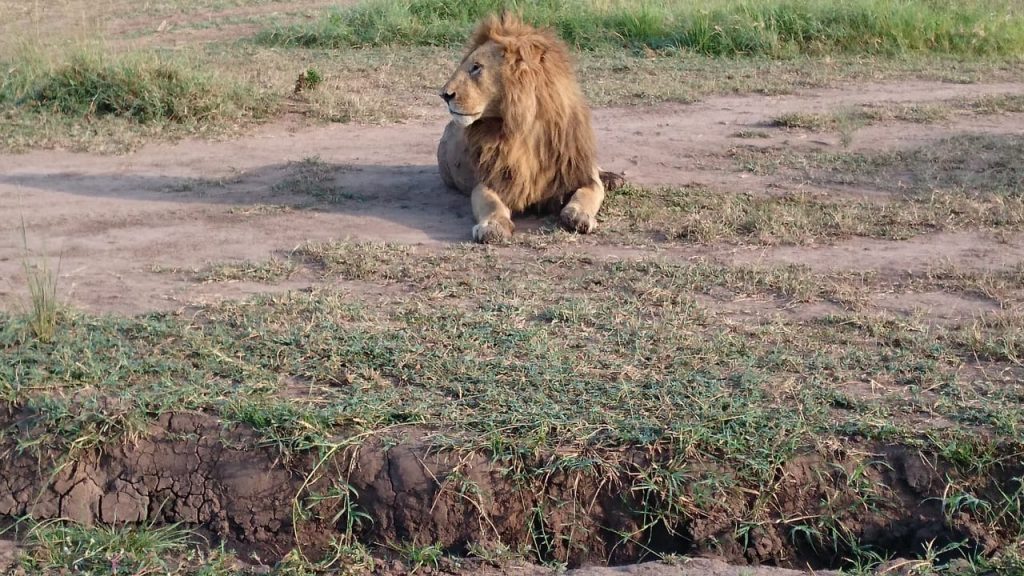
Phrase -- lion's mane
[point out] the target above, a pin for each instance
(542, 148)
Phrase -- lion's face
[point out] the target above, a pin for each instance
(474, 91)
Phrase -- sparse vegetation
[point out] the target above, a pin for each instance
(223, 87)
(751, 134)
(269, 271)
(471, 325)
(848, 120)
(997, 104)
(887, 113)
(991, 174)
(572, 333)
(314, 178)
(705, 216)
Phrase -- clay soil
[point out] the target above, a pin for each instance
(189, 468)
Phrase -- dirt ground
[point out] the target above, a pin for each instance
(116, 224)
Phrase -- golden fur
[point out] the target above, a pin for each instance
(520, 134)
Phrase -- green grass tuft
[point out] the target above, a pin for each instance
(85, 99)
(44, 307)
(142, 89)
(56, 547)
(774, 28)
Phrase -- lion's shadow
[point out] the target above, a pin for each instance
(410, 196)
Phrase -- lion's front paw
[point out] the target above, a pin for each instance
(494, 231)
(576, 220)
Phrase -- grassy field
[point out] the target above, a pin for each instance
(676, 334)
(381, 61)
(651, 360)
(455, 362)
(777, 28)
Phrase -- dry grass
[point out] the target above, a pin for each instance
(846, 121)
(991, 174)
(700, 215)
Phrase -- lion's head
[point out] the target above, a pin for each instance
(525, 119)
(475, 88)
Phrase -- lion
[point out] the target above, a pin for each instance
(520, 136)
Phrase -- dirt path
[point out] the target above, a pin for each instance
(116, 221)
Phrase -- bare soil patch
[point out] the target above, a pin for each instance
(114, 219)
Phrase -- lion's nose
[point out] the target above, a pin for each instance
(447, 96)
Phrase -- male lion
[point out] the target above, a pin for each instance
(520, 134)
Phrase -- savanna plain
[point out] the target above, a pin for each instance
(244, 330)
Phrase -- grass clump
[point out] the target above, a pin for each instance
(44, 307)
(55, 547)
(773, 28)
(90, 101)
(418, 557)
(142, 89)
(800, 120)
(44, 310)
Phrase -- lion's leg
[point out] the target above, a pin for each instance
(580, 214)
(493, 218)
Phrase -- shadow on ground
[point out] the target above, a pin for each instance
(408, 196)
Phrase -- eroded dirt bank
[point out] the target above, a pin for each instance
(190, 468)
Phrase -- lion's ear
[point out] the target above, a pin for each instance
(525, 51)
(486, 30)
(510, 20)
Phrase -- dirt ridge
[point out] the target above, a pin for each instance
(217, 478)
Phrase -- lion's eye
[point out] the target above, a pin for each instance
(475, 70)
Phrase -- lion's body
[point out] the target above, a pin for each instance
(458, 170)
(520, 135)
